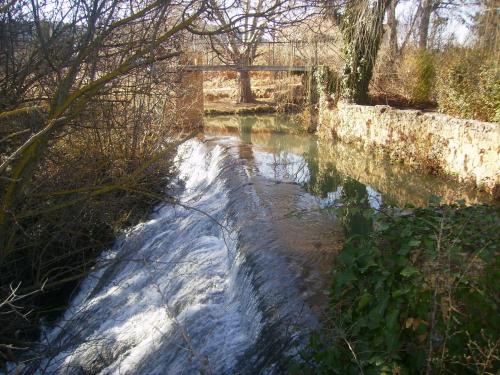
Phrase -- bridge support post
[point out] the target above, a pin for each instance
(310, 84)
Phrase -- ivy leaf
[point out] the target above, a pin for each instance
(383, 226)
(405, 249)
(364, 300)
(392, 318)
(414, 243)
(409, 271)
(347, 257)
(344, 278)
(401, 292)
(391, 340)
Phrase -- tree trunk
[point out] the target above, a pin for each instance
(393, 28)
(362, 29)
(486, 27)
(245, 94)
(425, 18)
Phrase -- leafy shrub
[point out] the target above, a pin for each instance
(424, 72)
(419, 295)
(415, 76)
(468, 85)
(409, 77)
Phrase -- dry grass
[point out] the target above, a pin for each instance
(461, 82)
(274, 91)
(406, 81)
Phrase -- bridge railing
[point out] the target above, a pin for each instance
(275, 53)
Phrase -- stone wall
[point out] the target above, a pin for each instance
(399, 183)
(465, 149)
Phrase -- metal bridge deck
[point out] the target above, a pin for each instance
(268, 68)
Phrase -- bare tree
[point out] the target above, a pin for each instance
(487, 25)
(393, 27)
(426, 9)
(85, 94)
(436, 13)
(82, 50)
(247, 23)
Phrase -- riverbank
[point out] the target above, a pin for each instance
(274, 92)
(242, 168)
(71, 232)
(415, 293)
(467, 150)
(227, 106)
(391, 275)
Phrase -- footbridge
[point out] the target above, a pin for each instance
(248, 68)
(272, 56)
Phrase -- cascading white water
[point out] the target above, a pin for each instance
(165, 303)
(192, 290)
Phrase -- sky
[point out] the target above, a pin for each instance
(455, 25)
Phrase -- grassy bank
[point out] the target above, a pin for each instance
(419, 294)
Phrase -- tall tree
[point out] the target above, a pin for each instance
(248, 22)
(487, 26)
(426, 9)
(433, 14)
(361, 24)
(393, 27)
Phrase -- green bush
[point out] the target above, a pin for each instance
(409, 77)
(468, 85)
(418, 295)
(424, 73)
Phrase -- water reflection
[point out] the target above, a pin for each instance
(335, 171)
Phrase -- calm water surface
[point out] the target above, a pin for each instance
(324, 168)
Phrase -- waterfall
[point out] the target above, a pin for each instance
(199, 288)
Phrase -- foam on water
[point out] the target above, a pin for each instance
(205, 286)
(165, 301)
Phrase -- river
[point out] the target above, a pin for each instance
(234, 278)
